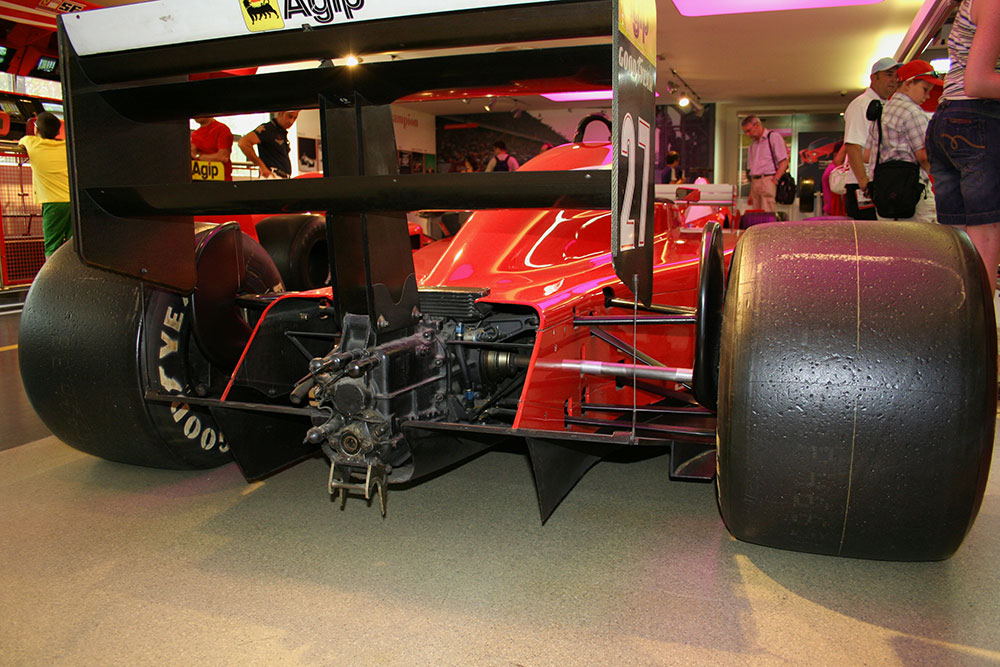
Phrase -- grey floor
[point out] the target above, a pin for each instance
(105, 564)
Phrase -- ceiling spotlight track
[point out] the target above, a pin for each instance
(687, 95)
(492, 102)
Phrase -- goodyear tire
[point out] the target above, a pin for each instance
(858, 392)
(88, 340)
(297, 244)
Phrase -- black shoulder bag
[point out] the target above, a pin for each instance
(785, 192)
(895, 188)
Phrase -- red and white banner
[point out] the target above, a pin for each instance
(40, 13)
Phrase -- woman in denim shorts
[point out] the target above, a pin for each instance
(963, 138)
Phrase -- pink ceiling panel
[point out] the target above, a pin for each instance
(715, 7)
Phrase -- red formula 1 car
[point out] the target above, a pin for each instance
(841, 406)
(817, 150)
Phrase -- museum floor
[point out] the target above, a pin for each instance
(106, 564)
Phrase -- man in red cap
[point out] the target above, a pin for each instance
(904, 125)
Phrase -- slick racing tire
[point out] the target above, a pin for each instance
(297, 244)
(857, 397)
(88, 341)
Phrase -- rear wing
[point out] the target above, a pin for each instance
(129, 97)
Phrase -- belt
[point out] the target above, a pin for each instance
(761, 176)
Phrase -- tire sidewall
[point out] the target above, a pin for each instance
(165, 343)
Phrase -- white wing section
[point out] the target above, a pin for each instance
(166, 22)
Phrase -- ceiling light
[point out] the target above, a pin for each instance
(941, 64)
(352, 61)
(688, 98)
(489, 105)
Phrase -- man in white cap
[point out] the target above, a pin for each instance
(856, 128)
(904, 125)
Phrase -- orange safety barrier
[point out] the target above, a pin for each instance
(22, 251)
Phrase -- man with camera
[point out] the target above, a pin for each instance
(856, 128)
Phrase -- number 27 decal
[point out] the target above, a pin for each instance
(631, 235)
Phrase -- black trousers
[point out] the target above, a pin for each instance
(866, 212)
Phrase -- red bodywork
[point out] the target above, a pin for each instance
(558, 262)
(815, 153)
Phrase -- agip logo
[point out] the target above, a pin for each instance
(637, 22)
(262, 15)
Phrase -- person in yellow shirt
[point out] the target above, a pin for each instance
(50, 179)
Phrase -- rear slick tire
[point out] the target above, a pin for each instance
(89, 338)
(858, 389)
(298, 245)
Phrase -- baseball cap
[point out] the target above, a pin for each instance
(918, 69)
(882, 64)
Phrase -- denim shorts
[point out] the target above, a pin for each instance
(963, 146)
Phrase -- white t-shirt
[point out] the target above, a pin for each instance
(857, 126)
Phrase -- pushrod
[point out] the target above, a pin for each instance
(620, 370)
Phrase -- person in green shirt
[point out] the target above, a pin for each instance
(50, 179)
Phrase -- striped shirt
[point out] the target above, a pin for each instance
(904, 124)
(959, 43)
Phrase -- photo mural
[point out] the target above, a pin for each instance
(472, 136)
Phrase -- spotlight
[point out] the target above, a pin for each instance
(689, 100)
(489, 105)
(352, 61)
(671, 87)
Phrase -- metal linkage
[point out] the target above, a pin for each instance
(620, 370)
(611, 320)
(622, 346)
(652, 410)
(612, 301)
(690, 433)
(375, 480)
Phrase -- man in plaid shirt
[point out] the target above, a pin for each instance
(904, 125)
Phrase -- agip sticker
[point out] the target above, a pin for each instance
(207, 171)
(262, 15)
(637, 21)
